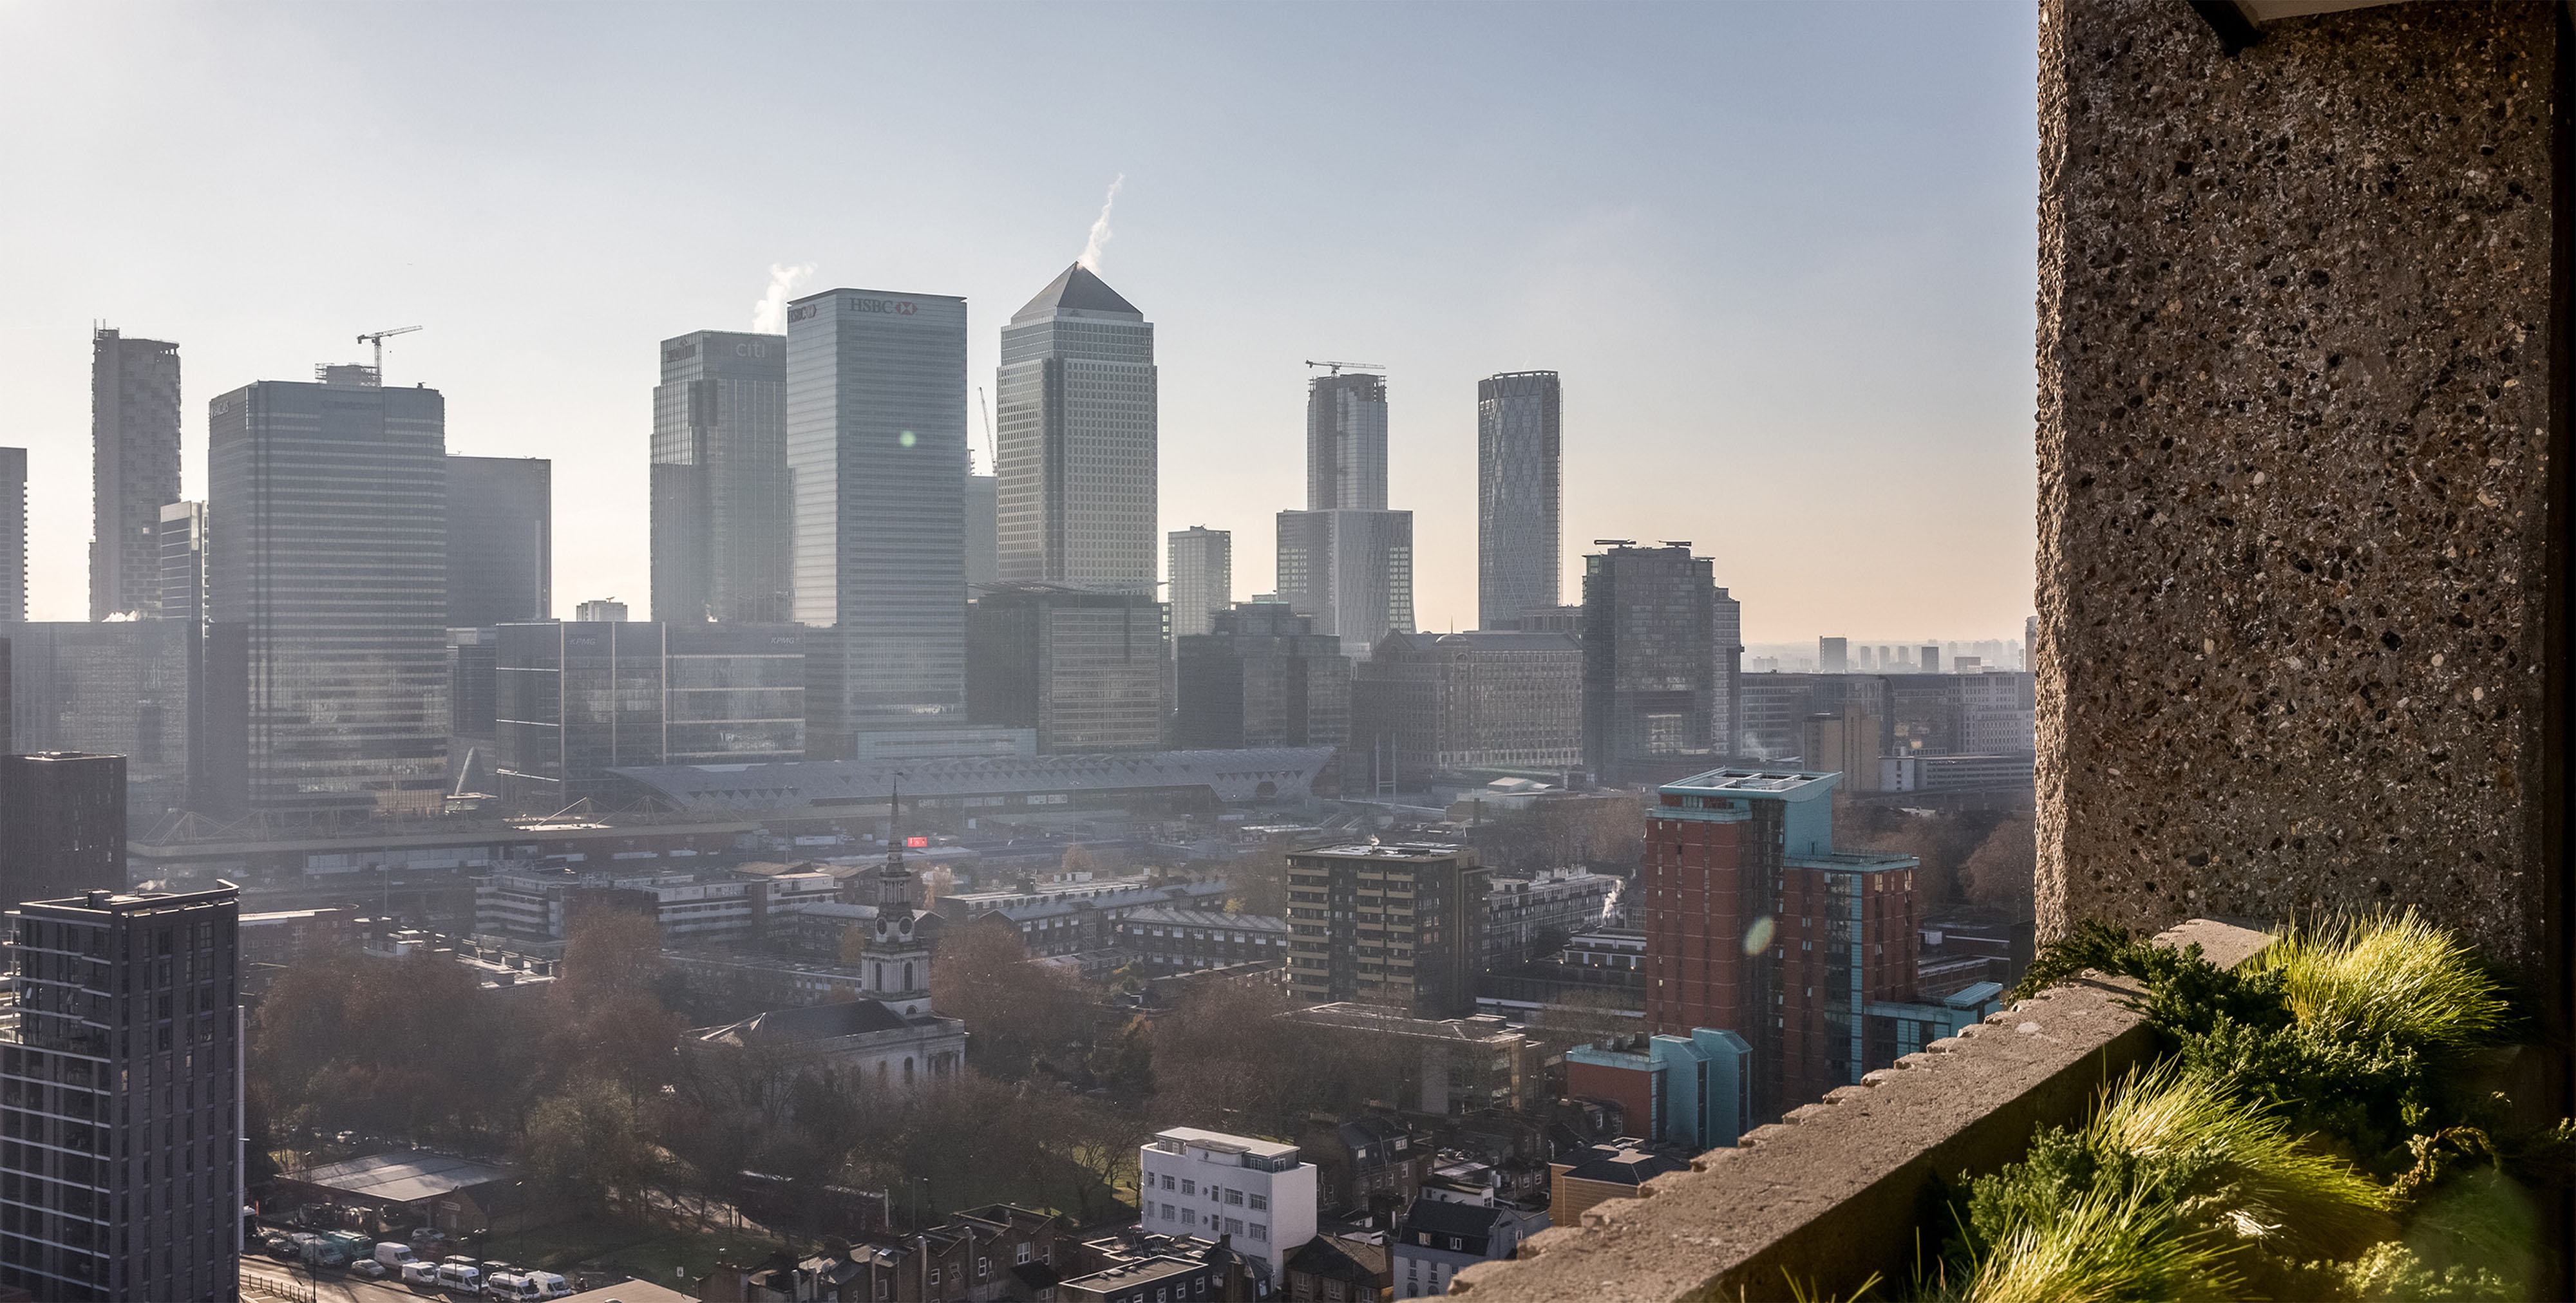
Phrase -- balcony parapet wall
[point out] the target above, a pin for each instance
(1836, 1190)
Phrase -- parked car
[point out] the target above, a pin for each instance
(367, 1269)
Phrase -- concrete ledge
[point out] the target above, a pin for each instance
(1836, 1190)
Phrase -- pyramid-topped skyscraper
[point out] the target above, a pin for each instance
(1078, 439)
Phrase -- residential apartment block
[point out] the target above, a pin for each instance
(1195, 1182)
(1396, 925)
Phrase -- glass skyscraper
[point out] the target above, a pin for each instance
(1078, 442)
(1202, 578)
(720, 508)
(500, 540)
(876, 443)
(134, 468)
(1346, 560)
(1650, 689)
(13, 534)
(1518, 496)
(574, 699)
(327, 589)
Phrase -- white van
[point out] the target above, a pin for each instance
(417, 1272)
(549, 1285)
(460, 1280)
(394, 1255)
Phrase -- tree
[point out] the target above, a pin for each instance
(1998, 874)
(590, 1143)
(1582, 1016)
(1014, 1010)
(1260, 880)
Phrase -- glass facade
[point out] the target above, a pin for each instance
(573, 700)
(720, 502)
(1518, 495)
(876, 445)
(117, 688)
(1077, 398)
(183, 561)
(1350, 570)
(134, 468)
(1202, 576)
(500, 540)
(1346, 443)
(327, 586)
(1083, 668)
(1649, 664)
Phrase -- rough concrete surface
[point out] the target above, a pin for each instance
(1834, 1193)
(2294, 379)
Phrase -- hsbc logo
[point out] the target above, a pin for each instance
(804, 312)
(892, 307)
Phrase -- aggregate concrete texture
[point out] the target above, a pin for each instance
(1834, 1193)
(2295, 432)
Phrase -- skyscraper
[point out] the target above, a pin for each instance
(1833, 655)
(183, 561)
(1649, 670)
(573, 699)
(62, 824)
(1518, 492)
(500, 540)
(13, 533)
(134, 468)
(1346, 560)
(115, 687)
(1726, 642)
(721, 517)
(1202, 573)
(1262, 677)
(1346, 442)
(326, 655)
(983, 529)
(1351, 570)
(1076, 391)
(876, 442)
(122, 1083)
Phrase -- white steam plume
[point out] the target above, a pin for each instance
(1091, 248)
(769, 315)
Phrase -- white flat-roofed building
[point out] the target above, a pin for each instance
(1208, 1183)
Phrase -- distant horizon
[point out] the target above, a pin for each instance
(1782, 255)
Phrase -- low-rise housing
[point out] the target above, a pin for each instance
(1364, 1162)
(1612, 1169)
(1439, 1236)
(1349, 1267)
(533, 905)
(1465, 1065)
(1166, 939)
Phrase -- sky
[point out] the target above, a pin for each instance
(1782, 255)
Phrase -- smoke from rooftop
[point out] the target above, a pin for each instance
(769, 315)
(1100, 233)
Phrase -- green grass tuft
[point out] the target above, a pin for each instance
(2106, 1245)
(2397, 976)
(2248, 1176)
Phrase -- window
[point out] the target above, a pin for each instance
(1260, 1202)
(983, 1267)
(1233, 1227)
(1167, 1180)
(934, 1275)
(1189, 1217)
(1455, 1244)
(1189, 1187)
(1260, 1232)
(1234, 1197)
(1024, 1253)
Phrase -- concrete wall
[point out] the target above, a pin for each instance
(2296, 486)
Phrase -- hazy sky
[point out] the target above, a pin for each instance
(1782, 254)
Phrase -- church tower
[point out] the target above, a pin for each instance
(898, 958)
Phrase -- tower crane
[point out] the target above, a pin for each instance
(1336, 367)
(378, 339)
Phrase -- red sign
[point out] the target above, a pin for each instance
(915, 843)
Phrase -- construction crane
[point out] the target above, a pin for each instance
(1336, 367)
(378, 339)
(993, 449)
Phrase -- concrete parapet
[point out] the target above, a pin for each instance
(1837, 1190)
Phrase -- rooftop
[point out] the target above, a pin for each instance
(1769, 784)
(403, 1175)
(1222, 1143)
(1077, 290)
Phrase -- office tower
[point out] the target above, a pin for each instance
(1400, 925)
(1262, 677)
(575, 699)
(134, 468)
(600, 610)
(62, 824)
(2030, 642)
(983, 530)
(118, 688)
(1755, 924)
(1845, 740)
(1649, 668)
(183, 561)
(1833, 655)
(473, 670)
(1567, 620)
(500, 540)
(1083, 667)
(1346, 442)
(1518, 453)
(1484, 704)
(876, 442)
(13, 534)
(1346, 560)
(1076, 393)
(1726, 639)
(1931, 659)
(1350, 570)
(721, 514)
(121, 1087)
(326, 650)
(1202, 578)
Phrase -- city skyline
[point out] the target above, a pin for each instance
(1445, 280)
